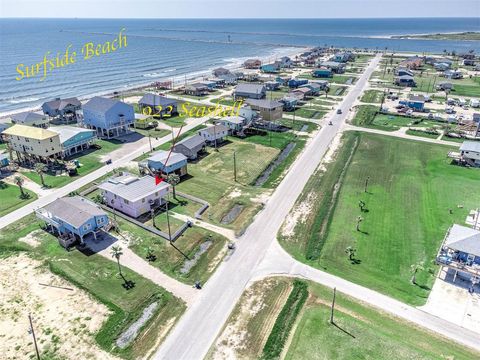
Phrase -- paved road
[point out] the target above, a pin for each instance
(74, 185)
(279, 262)
(199, 326)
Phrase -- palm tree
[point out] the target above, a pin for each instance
(116, 253)
(40, 169)
(18, 180)
(350, 251)
(173, 179)
(415, 268)
(359, 220)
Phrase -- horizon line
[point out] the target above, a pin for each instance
(243, 18)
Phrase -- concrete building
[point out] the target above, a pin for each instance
(108, 117)
(73, 218)
(133, 195)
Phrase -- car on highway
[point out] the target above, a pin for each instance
(339, 111)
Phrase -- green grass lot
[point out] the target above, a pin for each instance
(421, 133)
(372, 96)
(462, 87)
(410, 194)
(3, 146)
(154, 133)
(10, 195)
(308, 112)
(336, 79)
(99, 277)
(376, 335)
(89, 161)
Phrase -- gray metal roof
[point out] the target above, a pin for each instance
(101, 104)
(74, 210)
(67, 132)
(161, 156)
(131, 187)
(250, 88)
(265, 103)
(470, 146)
(192, 142)
(60, 104)
(156, 100)
(234, 119)
(463, 239)
(214, 129)
(28, 117)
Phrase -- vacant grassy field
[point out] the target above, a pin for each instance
(422, 133)
(363, 333)
(372, 96)
(10, 195)
(99, 277)
(408, 201)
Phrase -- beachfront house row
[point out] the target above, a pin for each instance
(133, 195)
(251, 91)
(110, 118)
(460, 251)
(191, 146)
(73, 218)
(270, 68)
(159, 105)
(33, 143)
(220, 71)
(470, 152)
(30, 119)
(252, 64)
(214, 134)
(229, 79)
(62, 108)
(166, 162)
(270, 110)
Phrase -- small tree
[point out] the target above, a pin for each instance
(359, 220)
(415, 268)
(361, 205)
(18, 180)
(350, 251)
(174, 180)
(116, 252)
(40, 169)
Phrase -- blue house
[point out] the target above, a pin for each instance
(4, 161)
(166, 162)
(295, 83)
(110, 118)
(272, 85)
(460, 250)
(270, 68)
(322, 73)
(73, 218)
(416, 103)
(74, 139)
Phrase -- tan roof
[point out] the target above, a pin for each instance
(29, 132)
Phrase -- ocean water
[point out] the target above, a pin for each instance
(160, 49)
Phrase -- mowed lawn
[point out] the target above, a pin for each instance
(10, 198)
(412, 186)
(363, 333)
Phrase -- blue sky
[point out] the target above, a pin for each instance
(239, 9)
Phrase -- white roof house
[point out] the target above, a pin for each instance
(464, 239)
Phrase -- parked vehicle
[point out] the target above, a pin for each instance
(339, 111)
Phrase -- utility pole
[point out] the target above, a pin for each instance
(31, 331)
(366, 183)
(234, 167)
(333, 305)
(150, 141)
(168, 219)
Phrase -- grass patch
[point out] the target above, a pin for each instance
(285, 320)
(99, 277)
(372, 96)
(11, 199)
(363, 332)
(410, 194)
(422, 133)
